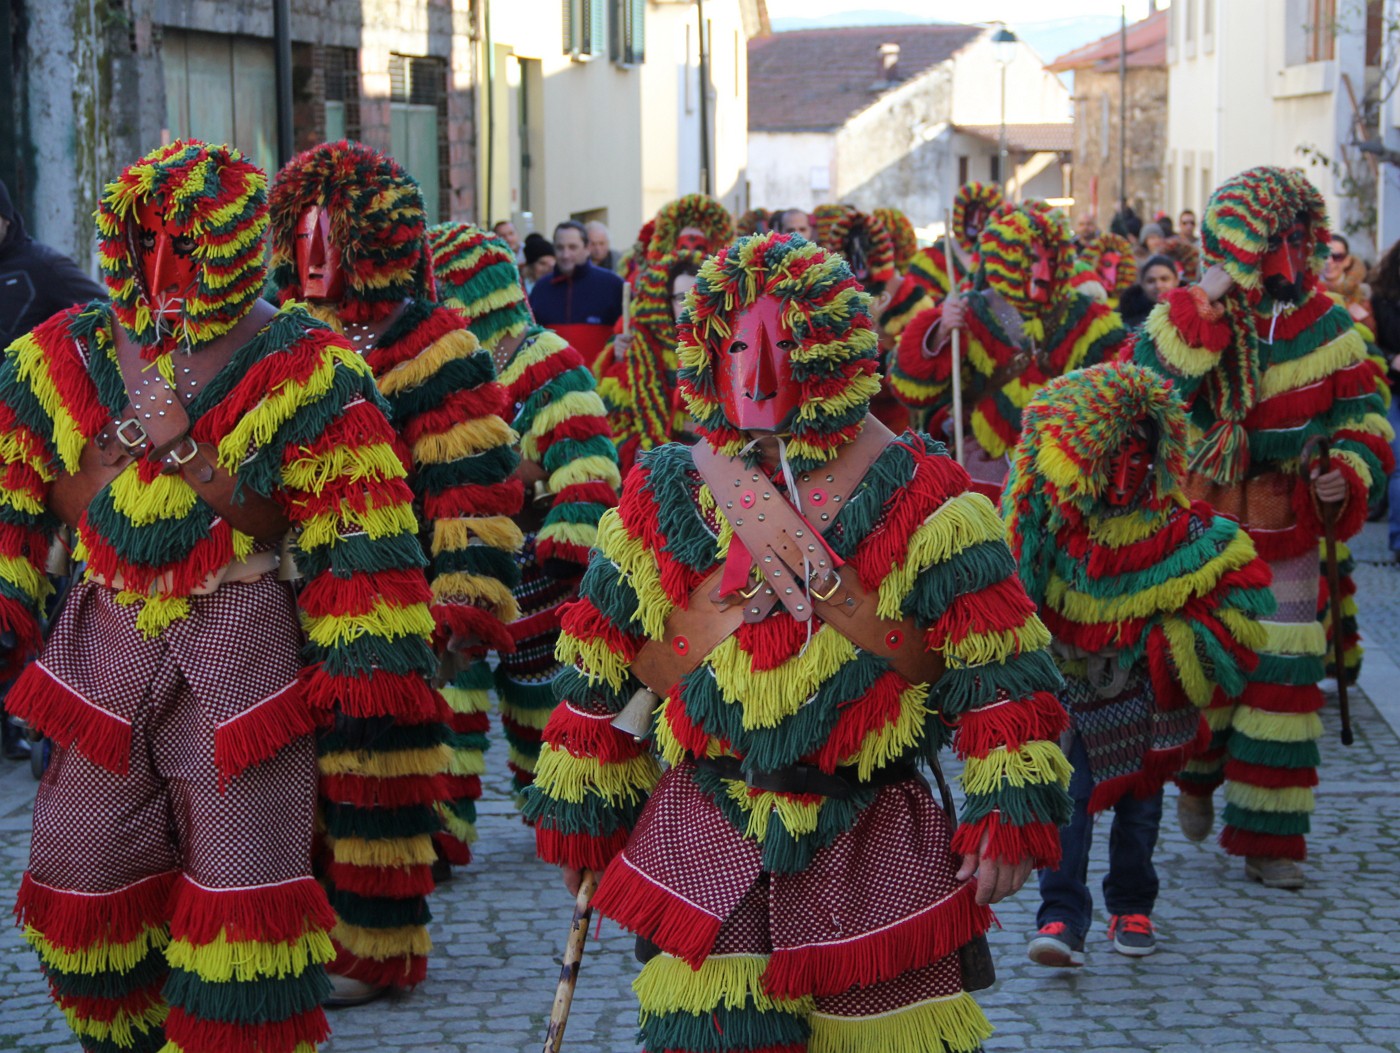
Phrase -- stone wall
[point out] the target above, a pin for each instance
(1096, 141)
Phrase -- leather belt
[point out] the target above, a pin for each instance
(808, 779)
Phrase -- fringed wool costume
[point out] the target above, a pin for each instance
(789, 919)
(754, 221)
(930, 270)
(1092, 271)
(1261, 378)
(698, 211)
(169, 892)
(1003, 368)
(381, 804)
(640, 391)
(1158, 598)
(564, 444)
(902, 236)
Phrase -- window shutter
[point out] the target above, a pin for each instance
(636, 31)
(398, 78)
(597, 27)
(570, 20)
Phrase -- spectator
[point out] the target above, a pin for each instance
(1186, 226)
(1126, 223)
(579, 300)
(1385, 307)
(795, 221)
(35, 280)
(1345, 278)
(1158, 277)
(600, 249)
(1085, 231)
(505, 230)
(539, 259)
(1153, 239)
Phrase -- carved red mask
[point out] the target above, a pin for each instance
(165, 251)
(1108, 269)
(973, 224)
(318, 264)
(692, 239)
(1285, 263)
(1128, 470)
(1042, 276)
(754, 373)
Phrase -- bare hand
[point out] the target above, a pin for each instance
(1330, 488)
(459, 644)
(995, 880)
(621, 343)
(954, 317)
(1217, 282)
(572, 880)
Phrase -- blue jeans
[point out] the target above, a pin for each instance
(1394, 485)
(1130, 886)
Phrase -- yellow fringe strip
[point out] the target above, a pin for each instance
(545, 346)
(382, 944)
(669, 747)
(466, 439)
(101, 958)
(1346, 350)
(670, 985)
(570, 405)
(530, 718)
(595, 659)
(383, 620)
(520, 760)
(951, 1023)
(893, 740)
(165, 496)
(1244, 628)
(345, 464)
(23, 575)
(638, 567)
(326, 528)
(386, 764)
(1220, 718)
(860, 390)
(1278, 727)
(31, 367)
(458, 587)
(982, 648)
(569, 533)
(502, 532)
(987, 436)
(456, 826)
(384, 852)
(1190, 673)
(1295, 638)
(957, 524)
(260, 424)
(1035, 763)
(770, 696)
(586, 470)
(1176, 354)
(566, 777)
(157, 612)
(1298, 799)
(1097, 330)
(222, 959)
(1118, 531)
(428, 363)
(466, 700)
(467, 762)
(798, 817)
(123, 1029)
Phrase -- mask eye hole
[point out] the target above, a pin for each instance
(787, 345)
(738, 347)
(183, 245)
(146, 240)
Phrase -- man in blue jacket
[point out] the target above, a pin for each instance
(580, 301)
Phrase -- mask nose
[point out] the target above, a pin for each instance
(763, 380)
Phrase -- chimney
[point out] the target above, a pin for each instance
(887, 69)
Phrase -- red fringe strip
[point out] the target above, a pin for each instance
(425, 334)
(1273, 778)
(472, 499)
(105, 1010)
(1010, 844)
(260, 731)
(1353, 515)
(911, 943)
(1195, 331)
(456, 852)
(460, 787)
(578, 427)
(910, 354)
(580, 851)
(14, 618)
(877, 708)
(76, 921)
(594, 491)
(190, 1033)
(1239, 842)
(990, 610)
(388, 882)
(637, 903)
(564, 551)
(1011, 724)
(467, 621)
(266, 913)
(399, 971)
(404, 696)
(74, 722)
(398, 792)
(460, 405)
(328, 594)
(1282, 698)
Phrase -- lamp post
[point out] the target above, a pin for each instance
(1004, 46)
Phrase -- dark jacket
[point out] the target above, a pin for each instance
(588, 296)
(35, 280)
(1134, 306)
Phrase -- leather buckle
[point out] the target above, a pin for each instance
(174, 452)
(132, 444)
(836, 584)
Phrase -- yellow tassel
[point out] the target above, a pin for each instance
(1245, 629)
(103, 957)
(798, 817)
(1297, 799)
(450, 535)
(382, 944)
(595, 659)
(466, 700)
(124, 1027)
(770, 696)
(386, 764)
(383, 620)
(565, 777)
(456, 826)
(638, 568)
(383, 852)
(466, 439)
(586, 470)
(23, 575)
(260, 424)
(458, 588)
(428, 363)
(1035, 763)
(572, 404)
(1220, 718)
(530, 718)
(669, 985)
(545, 346)
(965, 520)
(982, 648)
(157, 612)
(385, 521)
(32, 367)
(1278, 727)
(222, 959)
(1191, 674)
(1178, 356)
(1294, 638)
(467, 762)
(894, 740)
(951, 1023)
(569, 533)
(345, 464)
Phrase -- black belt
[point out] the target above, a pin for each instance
(808, 778)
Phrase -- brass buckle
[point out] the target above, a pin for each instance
(132, 444)
(174, 453)
(829, 592)
(762, 581)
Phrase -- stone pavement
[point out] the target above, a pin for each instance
(1239, 969)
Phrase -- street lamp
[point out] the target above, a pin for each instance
(1004, 48)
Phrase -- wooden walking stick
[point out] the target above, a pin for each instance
(1334, 587)
(573, 957)
(952, 260)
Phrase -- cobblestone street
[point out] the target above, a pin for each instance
(1240, 969)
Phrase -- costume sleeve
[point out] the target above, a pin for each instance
(564, 429)
(44, 420)
(1097, 338)
(446, 404)
(921, 377)
(592, 779)
(1178, 342)
(997, 695)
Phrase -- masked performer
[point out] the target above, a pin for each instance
(1023, 324)
(348, 236)
(754, 221)
(692, 223)
(902, 236)
(1266, 363)
(1153, 603)
(569, 466)
(1105, 269)
(180, 432)
(930, 270)
(791, 877)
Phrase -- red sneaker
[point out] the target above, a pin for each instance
(1132, 934)
(1055, 946)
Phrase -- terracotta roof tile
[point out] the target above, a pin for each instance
(815, 79)
(1027, 138)
(1147, 46)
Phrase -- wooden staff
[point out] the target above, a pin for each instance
(573, 957)
(952, 261)
(1334, 586)
(626, 307)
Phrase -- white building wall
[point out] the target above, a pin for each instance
(1033, 96)
(791, 169)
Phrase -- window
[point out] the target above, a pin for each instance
(628, 31)
(1207, 26)
(1206, 187)
(418, 126)
(1188, 16)
(962, 169)
(584, 31)
(342, 86)
(1321, 30)
(222, 89)
(995, 168)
